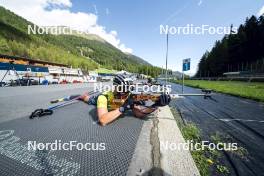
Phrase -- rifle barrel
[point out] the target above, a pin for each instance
(189, 95)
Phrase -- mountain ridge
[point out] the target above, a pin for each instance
(86, 52)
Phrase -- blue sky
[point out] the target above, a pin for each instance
(137, 23)
(134, 25)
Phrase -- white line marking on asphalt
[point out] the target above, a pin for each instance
(244, 101)
(243, 120)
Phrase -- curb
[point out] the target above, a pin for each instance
(173, 162)
(151, 157)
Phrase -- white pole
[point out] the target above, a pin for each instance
(167, 57)
(182, 80)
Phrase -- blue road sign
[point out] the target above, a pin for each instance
(186, 64)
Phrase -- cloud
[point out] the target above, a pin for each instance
(125, 49)
(58, 13)
(200, 2)
(261, 11)
(95, 9)
(107, 12)
(66, 3)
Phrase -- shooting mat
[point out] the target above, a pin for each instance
(77, 122)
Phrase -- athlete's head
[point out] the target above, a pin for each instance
(122, 86)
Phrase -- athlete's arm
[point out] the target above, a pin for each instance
(141, 111)
(84, 98)
(104, 116)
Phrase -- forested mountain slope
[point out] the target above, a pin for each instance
(86, 51)
(243, 51)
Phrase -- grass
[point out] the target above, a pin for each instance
(250, 90)
(207, 161)
(104, 70)
(191, 132)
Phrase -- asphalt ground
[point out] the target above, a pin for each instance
(16, 102)
(112, 146)
(235, 120)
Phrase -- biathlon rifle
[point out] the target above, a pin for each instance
(139, 97)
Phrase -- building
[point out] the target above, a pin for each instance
(14, 68)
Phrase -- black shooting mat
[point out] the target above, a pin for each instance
(77, 122)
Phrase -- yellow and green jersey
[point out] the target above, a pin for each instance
(110, 101)
(104, 100)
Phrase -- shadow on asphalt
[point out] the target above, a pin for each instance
(155, 172)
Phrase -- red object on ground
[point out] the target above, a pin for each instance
(76, 81)
(64, 82)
